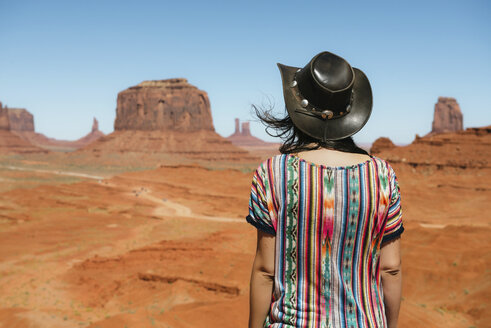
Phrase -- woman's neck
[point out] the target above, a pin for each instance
(331, 157)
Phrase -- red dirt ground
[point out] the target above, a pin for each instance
(168, 247)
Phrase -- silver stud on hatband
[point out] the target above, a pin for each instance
(294, 84)
(327, 113)
(304, 103)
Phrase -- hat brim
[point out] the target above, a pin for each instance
(329, 129)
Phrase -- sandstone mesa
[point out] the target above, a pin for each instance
(166, 116)
(166, 105)
(9, 141)
(242, 137)
(447, 117)
(20, 123)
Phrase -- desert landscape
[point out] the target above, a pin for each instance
(145, 226)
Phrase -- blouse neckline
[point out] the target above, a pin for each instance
(345, 167)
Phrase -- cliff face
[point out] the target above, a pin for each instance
(381, 144)
(95, 125)
(166, 116)
(4, 118)
(10, 142)
(241, 130)
(22, 124)
(20, 120)
(468, 149)
(92, 136)
(15, 119)
(166, 105)
(447, 117)
(243, 138)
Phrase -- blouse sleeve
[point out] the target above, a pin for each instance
(261, 214)
(393, 226)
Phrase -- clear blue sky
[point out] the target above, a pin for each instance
(65, 61)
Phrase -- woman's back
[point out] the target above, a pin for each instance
(329, 222)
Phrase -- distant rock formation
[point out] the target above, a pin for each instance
(166, 116)
(237, 127)
(20, 120)
(447, 117)
(11, 142)
(246, 129)
(166, 105)
(21, 123)
(92, 136)
(381, 144)
(242, 137)
(4, 118)
(95, 125)
(241, 130)
(465, 149)
(53, 144)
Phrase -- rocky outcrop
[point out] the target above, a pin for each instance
(20, 120)
(15, 119)
(243, 138)
(4, 118)
(447, 116)
(246, 129)
(381, 144)
(10, 142)
(467, 149)
(171, 117)
(95, 125)
(241, 130)
(22, 138)
(92, 136)
(165, 105)
(201, 145)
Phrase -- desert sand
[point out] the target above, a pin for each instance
(145, 226)
(169, 246)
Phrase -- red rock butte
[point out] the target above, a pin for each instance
(10, 142)
(166, 105)
(242, 137)
(447, 117)
(465, 149)
(382, 143)
(166, 116)
(4, 118)
(20, 119)
(21, 123)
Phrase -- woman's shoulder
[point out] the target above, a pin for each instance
(272, 161)
(379, 161)
(383, 165)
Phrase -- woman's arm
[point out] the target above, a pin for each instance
(262, 278)
(390, 266)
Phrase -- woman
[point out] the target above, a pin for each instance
(328, 214)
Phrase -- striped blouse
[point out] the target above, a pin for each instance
(329, 223)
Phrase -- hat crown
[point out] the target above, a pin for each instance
(332, 72)
(326, 83)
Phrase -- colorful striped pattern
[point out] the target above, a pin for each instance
(329, 224)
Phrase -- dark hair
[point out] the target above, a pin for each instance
(294, 140)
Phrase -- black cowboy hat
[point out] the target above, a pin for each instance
(327, 99)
